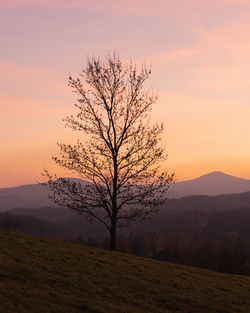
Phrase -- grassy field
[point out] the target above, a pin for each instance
(51, 276)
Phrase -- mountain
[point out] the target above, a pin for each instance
(215, 183)
(46, 275)
(212, 184)
(26, 196)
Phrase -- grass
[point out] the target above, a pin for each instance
(51, 276)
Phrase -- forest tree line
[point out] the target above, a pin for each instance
(216, 240)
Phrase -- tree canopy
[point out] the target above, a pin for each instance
(121, 153)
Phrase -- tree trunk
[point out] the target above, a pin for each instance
(113, 236)
(114, 206)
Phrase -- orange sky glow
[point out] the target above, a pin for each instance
(199, 51)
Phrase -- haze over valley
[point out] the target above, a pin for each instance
(211, 184)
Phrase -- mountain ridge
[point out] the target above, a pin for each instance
(210, 184)
(216, 174)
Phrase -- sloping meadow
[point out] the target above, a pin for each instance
(51, 276)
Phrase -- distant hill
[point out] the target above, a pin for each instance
(77, 226)
(26, 196)
(215, 183)
(45, 275)
(33, 226)
(70, 223)
(49, 213)
(212, 184)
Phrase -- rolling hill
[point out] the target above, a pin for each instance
(26, 196)
(215, 183)
(45, 275)
(212, 184)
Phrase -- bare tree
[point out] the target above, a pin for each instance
(121, 153)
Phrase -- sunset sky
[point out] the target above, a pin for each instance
(200, 56)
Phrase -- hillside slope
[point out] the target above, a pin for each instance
(211, 184)
(46, 275)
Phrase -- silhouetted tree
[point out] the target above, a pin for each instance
(121, 152)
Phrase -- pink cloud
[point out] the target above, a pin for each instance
(221, 55)
(134, 7)
(33, 81)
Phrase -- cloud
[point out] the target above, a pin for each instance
(33, 81)
(216, 64)
(43, 4)
(133, 7)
